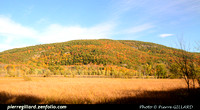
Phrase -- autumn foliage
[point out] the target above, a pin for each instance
(115, 58)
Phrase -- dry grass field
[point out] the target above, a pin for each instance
(51, 90)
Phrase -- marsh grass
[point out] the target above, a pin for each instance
(95, 91)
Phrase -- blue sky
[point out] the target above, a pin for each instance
(31, 22)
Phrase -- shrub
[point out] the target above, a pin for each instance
(26, 78)
(47, 73)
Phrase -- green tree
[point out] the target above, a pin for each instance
(175, 70)
(161, 70)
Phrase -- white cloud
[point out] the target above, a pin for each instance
(165, 35)
(13, 31)
(9, 46)
(59, 33)
(16, 35)
(138, 28)
(5, 47)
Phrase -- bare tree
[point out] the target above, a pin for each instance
(186, 62)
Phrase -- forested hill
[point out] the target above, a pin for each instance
(115, 52)
(135, 55)
(104, 51)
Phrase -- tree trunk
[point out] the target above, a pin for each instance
(188, 86)
(193, 81)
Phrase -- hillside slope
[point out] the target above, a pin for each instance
(135, 55)
(87, 51)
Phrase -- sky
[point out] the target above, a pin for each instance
(32, 22)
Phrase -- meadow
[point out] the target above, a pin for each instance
(62, 90)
